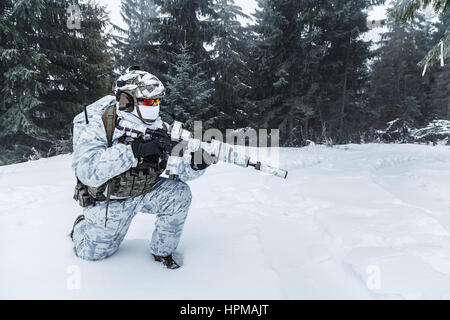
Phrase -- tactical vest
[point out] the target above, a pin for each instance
(134, 182)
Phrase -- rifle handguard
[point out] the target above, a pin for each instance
(216, 149)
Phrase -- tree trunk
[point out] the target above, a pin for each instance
(319, 109)
(448, 108)
(344, 94)
(344, 91)
(307, 127)
(291, 132)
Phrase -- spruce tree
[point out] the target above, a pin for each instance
(310, 66)
(188, 95)
(406, 10)
(440, 91)
(230, 70)
(399, 90)
(278, 89)
(188, 22)
(20, 65)
(343, 75)
(50, 72)
(185, 28)
(137, 44)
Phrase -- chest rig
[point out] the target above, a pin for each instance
(134, 182)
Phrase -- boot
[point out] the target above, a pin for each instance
(167, 261)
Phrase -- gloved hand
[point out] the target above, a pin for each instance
(205, 158)
(146, 149)
(164, 140)
(165, 143)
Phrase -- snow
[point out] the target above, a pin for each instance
(350, 222)
(399, 131)
(437, 129)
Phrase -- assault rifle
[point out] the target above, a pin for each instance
(177, 140)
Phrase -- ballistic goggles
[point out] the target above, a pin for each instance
(148, 102)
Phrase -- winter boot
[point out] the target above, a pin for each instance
(167, 261)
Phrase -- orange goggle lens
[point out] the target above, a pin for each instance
(149, 102)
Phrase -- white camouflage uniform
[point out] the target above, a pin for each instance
(94, 164)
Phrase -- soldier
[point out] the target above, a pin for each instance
(119, 176)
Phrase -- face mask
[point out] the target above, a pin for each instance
(148, 113)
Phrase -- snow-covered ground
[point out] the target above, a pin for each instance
(353, 222)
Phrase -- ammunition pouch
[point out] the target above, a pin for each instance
(82, 196)
(131, 183)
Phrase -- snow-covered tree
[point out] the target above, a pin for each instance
(137, 43)
(310, 65)
(230, 70)
(188, 93)
(440, 94)
(189, 23)
(398, 88)
(405, 11)
(48, 71)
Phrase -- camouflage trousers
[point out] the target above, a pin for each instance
(169, 200)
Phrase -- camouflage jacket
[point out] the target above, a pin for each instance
(95, 163)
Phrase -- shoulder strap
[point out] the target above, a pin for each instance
(109, 118)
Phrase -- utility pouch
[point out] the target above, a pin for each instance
(82, 195)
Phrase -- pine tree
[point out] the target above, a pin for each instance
(399, 90)
(405, 10)
(343, 75)
(309, 65)
(185, 28)
(186, 22)
(20, 64)
(137, 44)
(229, 68)
(188, 94)
(279, 92)
(50, 71)
(440, 92)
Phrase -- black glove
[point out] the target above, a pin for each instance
(205, 157)
(165, 143)
(146, 149)
(163, 139)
